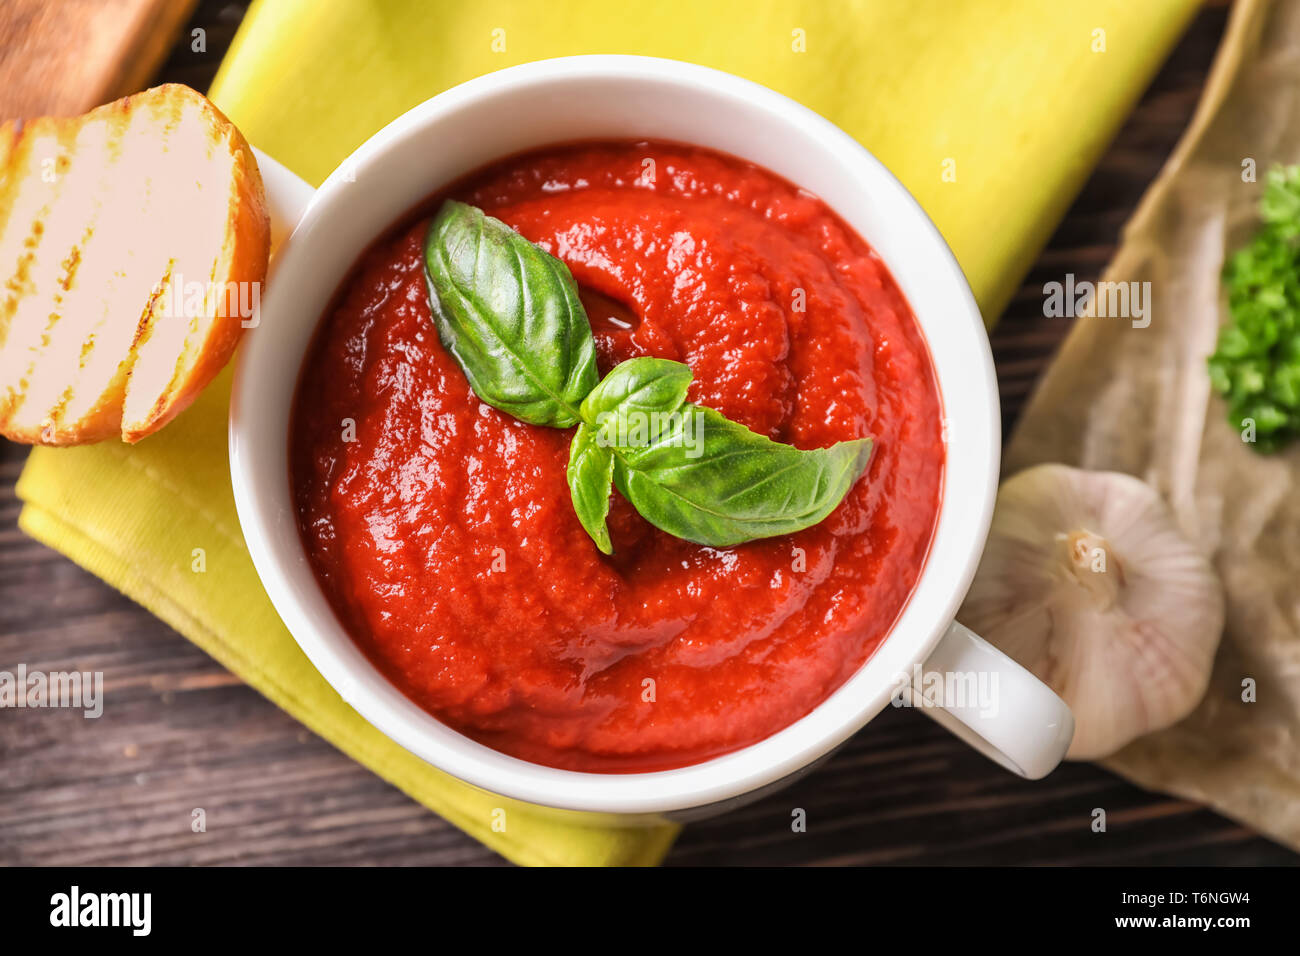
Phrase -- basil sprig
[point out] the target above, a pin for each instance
(510, 315)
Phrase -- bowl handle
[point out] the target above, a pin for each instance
(992, 703)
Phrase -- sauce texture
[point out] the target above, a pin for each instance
(442, 531)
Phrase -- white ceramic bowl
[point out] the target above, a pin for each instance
(596, 97)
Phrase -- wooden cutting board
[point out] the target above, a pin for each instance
(62, 58)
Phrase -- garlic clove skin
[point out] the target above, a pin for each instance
(1088, 583)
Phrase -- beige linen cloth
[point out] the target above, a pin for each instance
(1138, 400)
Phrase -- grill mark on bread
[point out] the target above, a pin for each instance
(72, 260)
(145, 324)
(64, 283)
(88, 345)
(22, 165)
(19, 284)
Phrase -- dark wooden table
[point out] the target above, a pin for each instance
(183, 733)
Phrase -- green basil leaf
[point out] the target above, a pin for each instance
(632, 394)
(648, 384)
(591, 476)
(510, 315)
(713, 481)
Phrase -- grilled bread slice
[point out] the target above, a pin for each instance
(133, 245)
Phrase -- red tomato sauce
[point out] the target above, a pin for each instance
(442, 530)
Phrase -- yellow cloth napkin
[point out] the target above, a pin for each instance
(991, 112)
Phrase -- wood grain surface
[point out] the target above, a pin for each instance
(62, 58)
(183, 733)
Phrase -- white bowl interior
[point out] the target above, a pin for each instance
(599, 98)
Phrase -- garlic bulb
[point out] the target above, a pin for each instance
(1087, 582)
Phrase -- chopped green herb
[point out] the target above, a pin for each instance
(1256, 366)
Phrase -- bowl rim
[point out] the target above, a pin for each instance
(755, 766)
